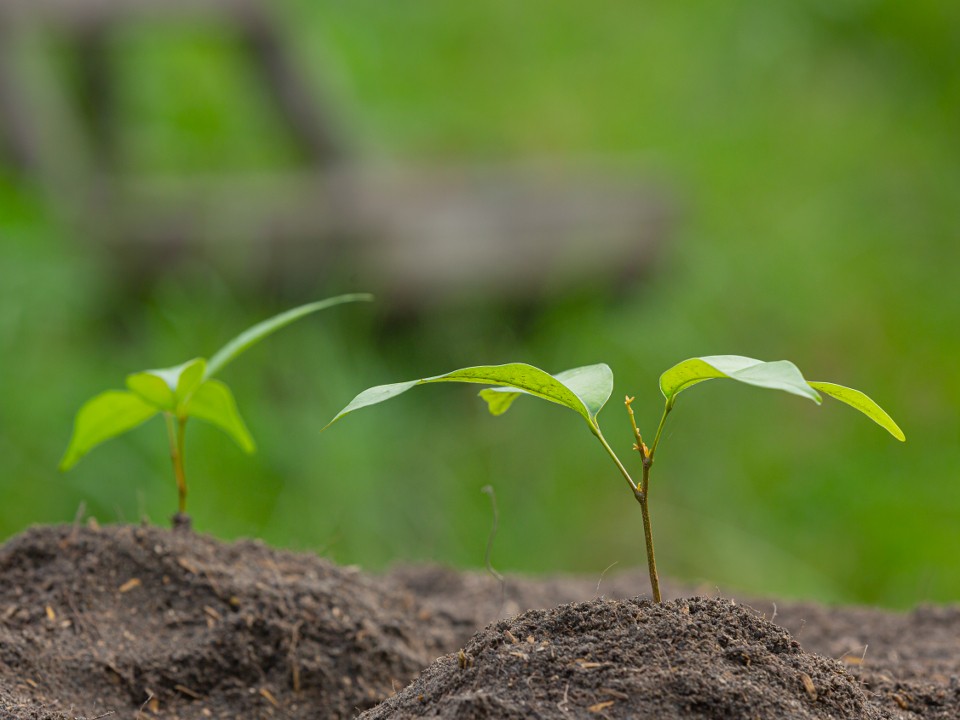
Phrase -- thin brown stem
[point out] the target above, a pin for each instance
(628, 403)
(644, 499)
(175, 433)
(642, 494)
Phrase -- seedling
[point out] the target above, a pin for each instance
(585, 390)
(180, 393)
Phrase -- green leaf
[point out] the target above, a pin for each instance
(595, 383)
(168, 389)
(499, 400)
(190, 376)
(102, 417)
(214, 403)
(258, 332)
(592, 384)
(858, 400)
(152, 389)
(778, 375)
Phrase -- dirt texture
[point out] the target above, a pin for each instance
(139, 622)
(699, 658)
(178, 625)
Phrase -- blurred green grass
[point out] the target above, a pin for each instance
(814, 149)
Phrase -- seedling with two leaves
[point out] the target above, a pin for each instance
(585, 390)
(179, 393)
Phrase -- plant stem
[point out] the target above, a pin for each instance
(616, 460)
(176, 433)
(640, 493)
(644, 499)
(663, 420)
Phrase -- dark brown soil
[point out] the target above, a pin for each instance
(139, 622)
(698, 658)
(123, 618)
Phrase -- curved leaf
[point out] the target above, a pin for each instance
(515, 378)
(592, 384)
(778, 375)
(499, 400)
(168, 388)
(104, 416)
(858, 400)
(258, 332)
(214, 402)
(190, 377)
(152, 389)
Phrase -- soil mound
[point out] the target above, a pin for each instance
(698, 658)
(141, 621)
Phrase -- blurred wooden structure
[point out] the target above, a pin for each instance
(414, 235)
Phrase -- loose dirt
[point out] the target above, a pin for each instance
(136, 622)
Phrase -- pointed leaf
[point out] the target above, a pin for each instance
(858, 400)
(102, 417)
(152, 389)
(214, 403)
(591, 383)
(168, 388)
(515, 377)
(258, 332)
(499, 400)
(191, 374)
(778, 375)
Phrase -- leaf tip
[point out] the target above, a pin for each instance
(325, 427)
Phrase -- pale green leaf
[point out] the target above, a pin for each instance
(856, 399)
(191, 375)
(515, 377)
(107, 415)
(258, 332)
(499, 400)
(778, 375)
(214, 403)
(592, 384)
(168, 388)
(152, 389)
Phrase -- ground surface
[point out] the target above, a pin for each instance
(139, 622)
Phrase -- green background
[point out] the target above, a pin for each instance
(814, 153)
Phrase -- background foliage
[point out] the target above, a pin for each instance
(813, 147)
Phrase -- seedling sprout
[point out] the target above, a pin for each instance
(180, 393)
(585, 390)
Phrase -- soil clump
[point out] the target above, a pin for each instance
(179, 625)
(698, 658)
(139, 622)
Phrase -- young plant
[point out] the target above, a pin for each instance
(585, 390)
(180, 393)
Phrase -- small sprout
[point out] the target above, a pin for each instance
(179, 393)
(585, 390)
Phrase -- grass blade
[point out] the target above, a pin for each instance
(258, 332)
